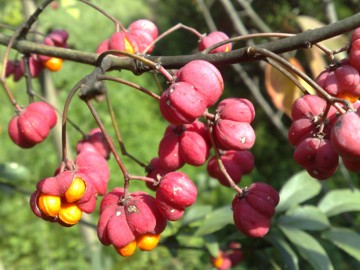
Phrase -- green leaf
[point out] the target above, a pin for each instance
(212, 245)
(345, 239)
(308, 247)
(71, 8)
(339, 201)
(289, 257)
(306, 218)
(195, 213)
(14, 172)
(299, 188)
(216, 220)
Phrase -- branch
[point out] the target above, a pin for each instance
(302, 40)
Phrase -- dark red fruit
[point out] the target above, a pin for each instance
(341, 81)
(253, 211)
(345, 136)
(123, 219)
(236, 163)
(156, 171)
(317, 156)
(307, 115)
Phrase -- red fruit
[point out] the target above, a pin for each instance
(213, 38)
(307, 114)
(345, 136)
(233, 135)
(124, 219)
(236, 163)
(18, 71)
(252, 216)
(59, 37)
(205, 78)
(193, 148)
(352, 165)
(177, 190)
(169, 212)
(10, 68)
(103, 46)
(46, 110)
(236, 109)
(169, 154)
(341, 81)
(354, 57)
(28, 128)
(155, 170)
(143, 216)
(145, 25)
(94, 142)
(181, 104)
(16, 136)
(123, 41)
(96, 168)
(317, 157)
(145, 39)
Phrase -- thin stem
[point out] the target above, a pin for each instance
(64, 118)
(220, 163)
(327, 51)
(142, 178)
(118, 134)
(169, 31)
(288, 75)
(320, 91)
(27, 74)
(131, 84)
(111, 145)
(147, 62)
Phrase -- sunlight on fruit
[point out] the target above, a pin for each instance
(49, 205)
(147, 242)
(70, 213)
(127, 250)
(76, 190)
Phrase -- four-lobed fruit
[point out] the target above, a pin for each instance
(232, 129)
(63, 198)
(205, 78)
(307, 115)
(317, 156)
(175, 192)
(252, 212)
(181, 104)
(342, 81)
(189, 143)
(32, 124)
(124, 220)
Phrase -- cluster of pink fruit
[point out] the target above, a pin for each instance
(63, 197)
(318, 132)
(140, 34)
(37, 63)
(137, 219)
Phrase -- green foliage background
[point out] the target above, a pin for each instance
(30, 243)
